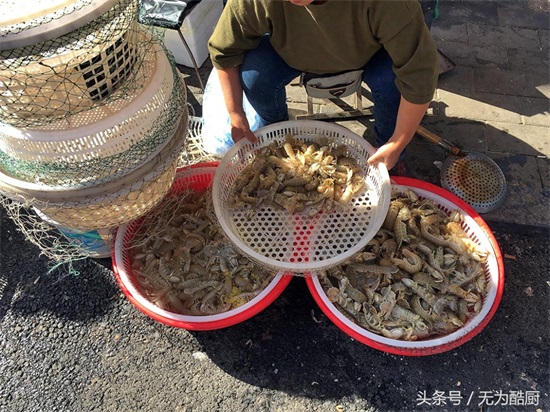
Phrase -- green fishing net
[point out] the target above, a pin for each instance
(94, 123)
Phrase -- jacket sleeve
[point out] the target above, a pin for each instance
(413, 52)
(239, 29)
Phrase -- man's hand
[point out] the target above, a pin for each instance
(387, 154)
(240, 128)
(233, 96)
(408, 119)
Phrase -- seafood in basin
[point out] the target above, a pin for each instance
(420, 277)
(183, 263)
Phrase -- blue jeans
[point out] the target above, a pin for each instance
(264, 76)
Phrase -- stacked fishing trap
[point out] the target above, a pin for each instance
(93, 118)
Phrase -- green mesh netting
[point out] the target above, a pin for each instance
(62, 250)
(69, 174)
(47, 80)
(147, 130)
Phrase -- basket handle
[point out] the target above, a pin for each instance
(435, 139)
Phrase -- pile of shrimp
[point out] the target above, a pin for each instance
(184, 264)
(298, 176)
(421, 276)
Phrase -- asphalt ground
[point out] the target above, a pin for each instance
(75, 343)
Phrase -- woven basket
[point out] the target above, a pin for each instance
(480, 233)
(92, 243)
(296, 242)
(106, 205)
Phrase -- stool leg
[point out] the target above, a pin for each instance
(192, 59)
(359, 100)
(309, 105)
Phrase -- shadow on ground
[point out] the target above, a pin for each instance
(293, 347)
(28, 287)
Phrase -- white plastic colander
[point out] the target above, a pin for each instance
(296, 242)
